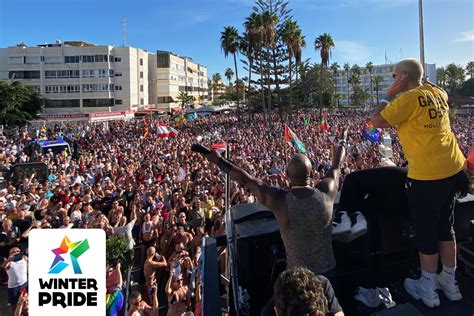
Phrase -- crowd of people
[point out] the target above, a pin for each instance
(162, 197)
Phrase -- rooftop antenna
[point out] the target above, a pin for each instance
(124, 31)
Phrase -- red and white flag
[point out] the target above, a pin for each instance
(219, 147)
(173, 132)
(163, 131)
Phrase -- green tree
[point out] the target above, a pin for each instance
(18, 103)
(185, 99)
(347, 69)
(230, 40)
(455, 76)
(269, 21)
(441, 77)
(355, 81)
(229, 73)
(335, 67)
(467, 88)
(291, 36)
(324, 43)
(370, 68)
(470, 68)
(377, 80)
(117, 251)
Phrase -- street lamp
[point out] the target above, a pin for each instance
(422, 39)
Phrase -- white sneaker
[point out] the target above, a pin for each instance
(341, 224)
(414, 288)
(451, 291)
(359, 226)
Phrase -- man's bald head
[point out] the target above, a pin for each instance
(299, 170)
(410, 67)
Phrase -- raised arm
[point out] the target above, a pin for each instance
(330, 182)
(265, 194)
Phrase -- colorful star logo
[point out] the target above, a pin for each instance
(77, 249)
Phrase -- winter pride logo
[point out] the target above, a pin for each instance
(77, 249)
(68, 279)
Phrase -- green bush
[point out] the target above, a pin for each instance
(117, 251)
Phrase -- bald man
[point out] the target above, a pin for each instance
(303, 213)
(420, 113)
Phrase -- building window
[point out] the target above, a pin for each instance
(97, 102)
(32, 74)
(142, 101)
(118, 88)
(118, 102)
(111, 58)
(141, 88)
(141, 61)
(32, 59)
(16, 60)
(97, 87)
(162, 60)
(141, 74)
(111, 72)
(100, 58)
(118, 59)
(87, 58)
(71, 59)
(52, 59)
(118, 74)
(67, 103)
(36, 89)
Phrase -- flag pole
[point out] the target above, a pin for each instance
(227, 182)
(422, 38)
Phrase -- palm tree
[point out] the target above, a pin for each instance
(335, 67)
(230, 45)
(229, 74)
(355, 81)
(470, 68)
(370, 68)
(324, 43)
(347, 68)
(254, 40)
(441, 77)
(377, 80)
(355, 69)
(268, 22)
(290, 34)
(185, 99)
(455, 76)
(301, 43)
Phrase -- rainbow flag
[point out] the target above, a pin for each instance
(371, 133)
(291, 136)
(179, 119)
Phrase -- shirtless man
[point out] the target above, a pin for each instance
(152, 263)
(139, 307)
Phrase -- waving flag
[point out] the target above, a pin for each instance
(163, 131)
(179, 119)
(306, 121)
(219, 147)
(173, 132)
(324, 123)
(371, 133)
(291, 136)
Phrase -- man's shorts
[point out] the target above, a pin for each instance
(432, 206)
(14, 293)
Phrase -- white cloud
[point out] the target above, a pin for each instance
(466, 37)
(352, 51)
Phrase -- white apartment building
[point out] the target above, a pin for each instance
(384, 71)
(171, 74)
(80, 77)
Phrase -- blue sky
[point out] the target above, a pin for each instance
(363, 30)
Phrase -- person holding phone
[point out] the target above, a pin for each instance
(17, 271)
(138, 307)
(420, 113)
(153, 262)
(179, 298)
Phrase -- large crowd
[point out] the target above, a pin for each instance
(159, 195)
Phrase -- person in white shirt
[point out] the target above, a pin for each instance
(17, 271)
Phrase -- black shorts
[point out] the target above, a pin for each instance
(432, 206)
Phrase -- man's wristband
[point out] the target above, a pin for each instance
(225, 165)
(342, 143)
(386, 99)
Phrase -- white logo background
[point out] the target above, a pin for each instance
(92, 263)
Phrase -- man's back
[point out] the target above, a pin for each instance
(421, 116)
(307, 234)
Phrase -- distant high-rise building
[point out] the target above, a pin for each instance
(384, 71)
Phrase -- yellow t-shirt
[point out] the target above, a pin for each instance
(421, 117)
